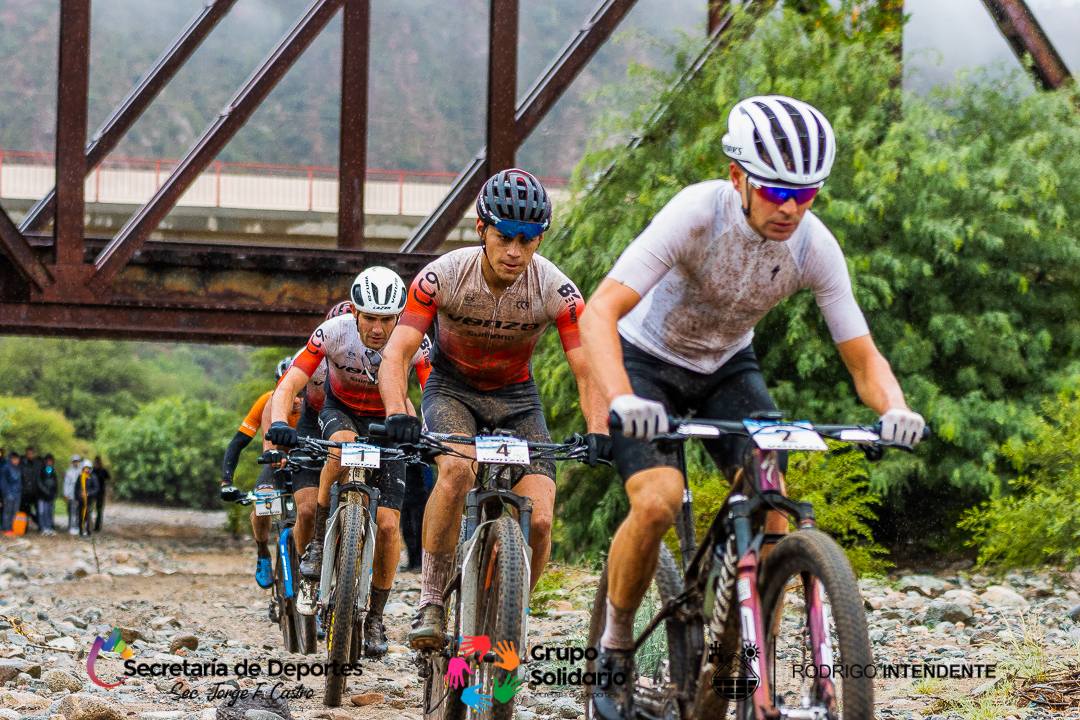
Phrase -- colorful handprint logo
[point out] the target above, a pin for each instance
(476, 647)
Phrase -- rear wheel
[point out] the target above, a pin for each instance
(662, 663)
(305, 624)
(343, 591)
(441, 702)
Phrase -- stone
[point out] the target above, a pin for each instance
(566, 707)
(397, 609)
(1002, 596)
(123, 570)
(964, 597)
(521, 714)
(370, 698)
(82, 706)
(59, 680)
(562, 606)
(121, 556)
(945, 611)
(163, 621)
(16, 700)
(1074, 613)
(63, 643)
(130, 635)
(166, 715)
(261, 715)
(927, 585)
(183, 641)
(265, 703)
(10, 669)
(6, 714)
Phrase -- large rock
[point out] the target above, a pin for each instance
(964, 597)
(6, 714)
(947, 611)
(263, 702)
(1002, 596)
(16, 700)
(183, 641)
(58, 681)
(11, 667)
(369, 698)
(927, 585)
(567, 707)
(82, 706)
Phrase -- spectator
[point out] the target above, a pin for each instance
(101, 478)
(46, 495)
(71, 479)
(85, 491)
(10, 491)
(31, 469)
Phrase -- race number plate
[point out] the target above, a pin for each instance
(772, 435)
(268, 504)
(502, 450)
(360, 455)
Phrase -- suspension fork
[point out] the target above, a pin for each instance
(684, 522)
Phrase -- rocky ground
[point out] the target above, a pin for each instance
(181, 589)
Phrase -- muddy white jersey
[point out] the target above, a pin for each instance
(706, 279)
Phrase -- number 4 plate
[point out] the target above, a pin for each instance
(502, 450)
(360, 455)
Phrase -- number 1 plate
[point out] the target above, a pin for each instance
(360, 455)
(502, 450)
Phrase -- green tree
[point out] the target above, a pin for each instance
(956, 218)
(23, 422)
(169, 452)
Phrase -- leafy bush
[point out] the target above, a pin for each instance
(23, 422)
(1035, 521)
(170, 452)
(955, 214)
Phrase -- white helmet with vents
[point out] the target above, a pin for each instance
(378, 291)
(781, 141)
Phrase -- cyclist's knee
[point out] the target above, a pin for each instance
(305, 514)
(540, 526)
(455, 478)
(387, 521)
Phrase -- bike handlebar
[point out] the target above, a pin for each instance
(575, 447)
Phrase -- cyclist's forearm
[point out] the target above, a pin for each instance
(232, 455)
(593, 406)
(393, 380)
(600, 340)
(286, 391)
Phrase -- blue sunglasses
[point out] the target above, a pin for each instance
(513, 228)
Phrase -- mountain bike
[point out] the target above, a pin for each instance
(297, 631)
(783, 639)
(348, 554)
(488, 596)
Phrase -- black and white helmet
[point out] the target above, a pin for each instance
(282, 367)
(378, 291)
(780, 140)
(515, 195)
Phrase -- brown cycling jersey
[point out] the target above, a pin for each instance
(490, 340)
(353, 368)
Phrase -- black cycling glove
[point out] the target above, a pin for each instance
(599, 449)
(281, 434)
(231, 493)
(402, 428)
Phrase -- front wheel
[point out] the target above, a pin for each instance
(809, 596)
(344, 587)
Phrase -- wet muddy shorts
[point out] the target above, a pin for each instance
(451, 405)
(731, 392)
(307, 426)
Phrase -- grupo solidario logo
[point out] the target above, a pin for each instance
(735, 677)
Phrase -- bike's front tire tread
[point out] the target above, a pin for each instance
(346, 579)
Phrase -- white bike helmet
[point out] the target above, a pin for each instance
(780, 140)
(378, 291)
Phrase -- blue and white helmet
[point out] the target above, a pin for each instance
(780, 140)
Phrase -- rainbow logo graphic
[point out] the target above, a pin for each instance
(114, 644)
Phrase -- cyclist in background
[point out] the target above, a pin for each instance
(349, 346)
(670, 329)
(490, 305)
(258, 417)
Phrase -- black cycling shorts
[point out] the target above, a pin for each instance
(307, 426)
(390, 478)
(452, 405)
(731, 392)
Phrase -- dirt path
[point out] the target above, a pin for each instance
(160, 574)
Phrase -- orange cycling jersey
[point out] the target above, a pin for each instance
(353, 368)
(253, 419)
(489, 340)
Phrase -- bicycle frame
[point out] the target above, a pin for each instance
(357, 483)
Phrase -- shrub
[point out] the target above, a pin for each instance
(23, 422)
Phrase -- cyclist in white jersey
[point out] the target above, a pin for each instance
(670, 330)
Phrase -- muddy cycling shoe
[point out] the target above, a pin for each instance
(613, 694)
(428, 628)
(311, 563)
(374, 636)
(264, 573)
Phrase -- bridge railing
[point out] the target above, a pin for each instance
(253, 186)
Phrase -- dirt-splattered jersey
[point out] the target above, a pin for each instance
(706, 279)
(489, 341)
(315, 390)
(353, 369)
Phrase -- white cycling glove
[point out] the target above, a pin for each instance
(903, 427)
(642, 419)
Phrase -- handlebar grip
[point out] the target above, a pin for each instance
(614, 423)
(269, 457)
(376, 430)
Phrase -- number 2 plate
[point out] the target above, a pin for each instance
(360, 455)
(502, 450)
